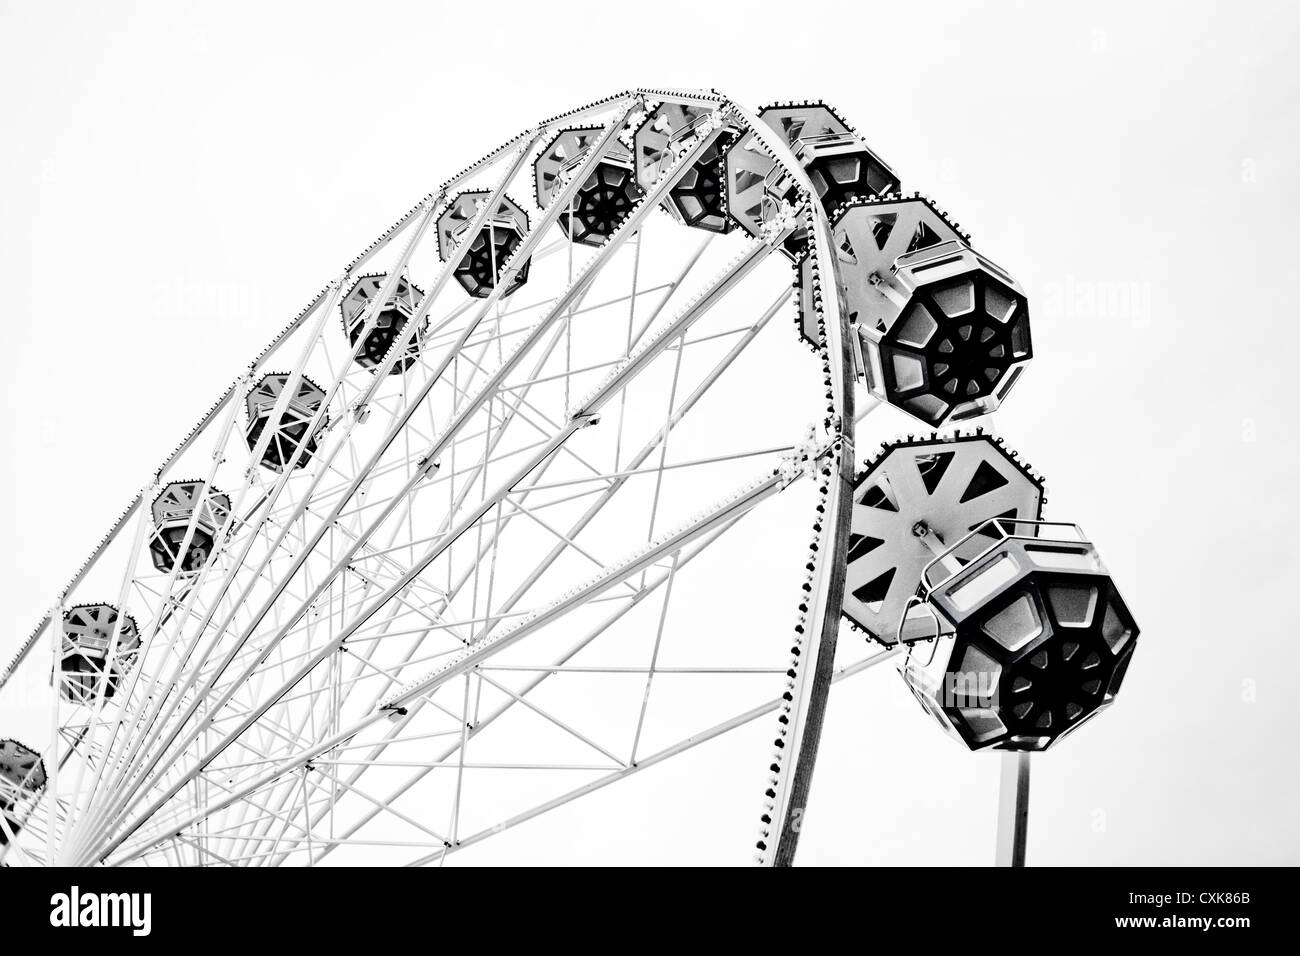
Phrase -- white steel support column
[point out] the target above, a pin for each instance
(1013, 809)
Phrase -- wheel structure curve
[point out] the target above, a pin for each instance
(537, 494)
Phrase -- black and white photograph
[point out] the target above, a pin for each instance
(666, 435)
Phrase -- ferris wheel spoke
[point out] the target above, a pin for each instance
(482, 723)
(733, 506)
(644, 763)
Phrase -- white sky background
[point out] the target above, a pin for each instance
(176, 181)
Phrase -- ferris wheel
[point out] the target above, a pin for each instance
(552, 484)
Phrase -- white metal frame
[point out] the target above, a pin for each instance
(239, 737)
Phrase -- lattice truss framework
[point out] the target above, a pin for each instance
(429, 570)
